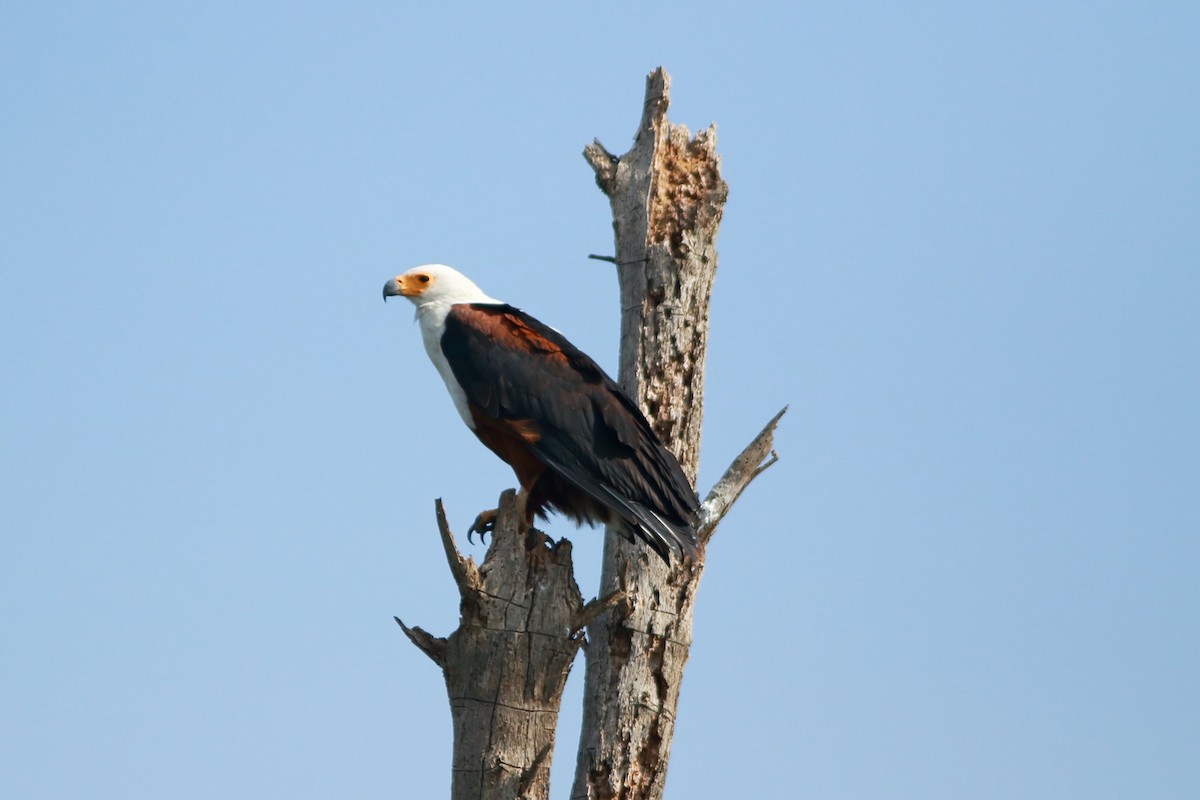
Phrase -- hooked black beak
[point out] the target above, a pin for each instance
(391, 289)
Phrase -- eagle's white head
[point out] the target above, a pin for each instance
(435, 289)
(435, 285)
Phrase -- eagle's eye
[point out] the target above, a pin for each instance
(423, 278)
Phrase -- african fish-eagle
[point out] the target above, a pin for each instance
(577, 443)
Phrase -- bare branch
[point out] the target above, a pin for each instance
(595, 608)
(466, 574)
(427, 643)
(604, 164)
(750, 463)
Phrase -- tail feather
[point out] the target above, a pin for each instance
(663, 536)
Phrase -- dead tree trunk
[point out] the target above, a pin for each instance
(667, 197)
(506, 664)
(522, 615)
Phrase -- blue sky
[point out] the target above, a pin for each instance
(962, 242)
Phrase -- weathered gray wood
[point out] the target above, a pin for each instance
(755, 458)
(506, 664)
(667, 197)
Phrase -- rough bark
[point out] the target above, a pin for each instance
(667, 197)
(506, 664)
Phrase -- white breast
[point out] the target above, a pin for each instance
(432, 319)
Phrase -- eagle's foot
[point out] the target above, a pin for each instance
(484, 524)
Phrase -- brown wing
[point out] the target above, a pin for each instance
(573, 417)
